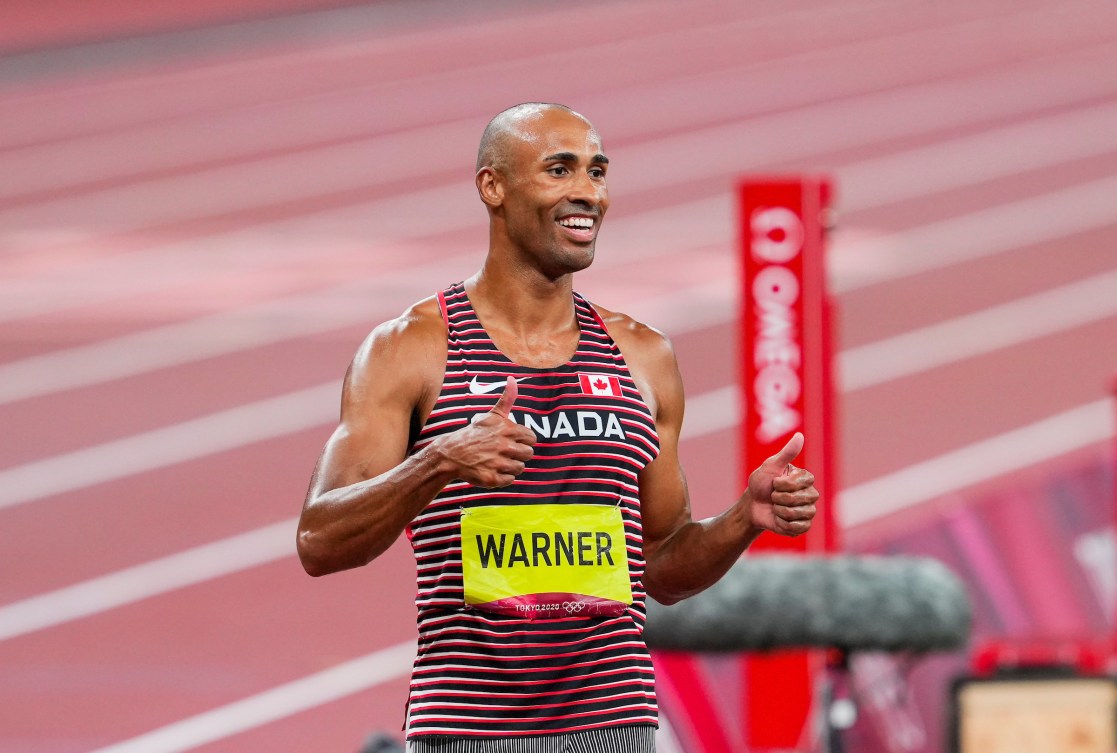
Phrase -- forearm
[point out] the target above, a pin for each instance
(698, 554)
(352, 525)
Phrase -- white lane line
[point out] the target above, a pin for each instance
(130, 151)
(277, 703)
(860, 367)
(112, 105)
(934, 346)
(758, 140)
(705, 413)
(185, 568)
(178, 263)
(1058, 435)
(1052, 437)
(1034, 144)
(711, 411)
(237, 132)
(1018, 321)
(854, 264)
(1018, 224)
(199, 437)
(214, 335)
(262, 708)
(1049, 438)
(277, 321)
(716, 410)
(950, 164)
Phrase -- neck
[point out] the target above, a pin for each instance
(521, 301)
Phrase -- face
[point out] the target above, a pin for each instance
(554, 192)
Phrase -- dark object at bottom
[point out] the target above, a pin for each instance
(380, 742)
(855, 603)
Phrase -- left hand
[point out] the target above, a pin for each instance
(783, 496)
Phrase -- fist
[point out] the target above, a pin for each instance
(493, 450)
(783, 496)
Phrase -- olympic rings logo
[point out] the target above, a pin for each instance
(573, 607)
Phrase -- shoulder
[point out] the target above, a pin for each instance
(649, 355)
(641, 340)
(408, 335)
(405, 356)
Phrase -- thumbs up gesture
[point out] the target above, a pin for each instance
(783, 496)
(504, 404)
(493, 450)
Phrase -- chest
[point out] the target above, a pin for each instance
(537, 351)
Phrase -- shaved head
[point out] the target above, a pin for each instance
(509, 126)
(541, 175)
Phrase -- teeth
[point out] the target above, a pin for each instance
(579, 222)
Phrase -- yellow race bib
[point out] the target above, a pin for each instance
(545, 560)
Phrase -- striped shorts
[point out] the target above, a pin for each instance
(629, 739)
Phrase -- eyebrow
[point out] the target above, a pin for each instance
(598, 159)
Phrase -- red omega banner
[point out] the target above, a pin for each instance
(786, 386)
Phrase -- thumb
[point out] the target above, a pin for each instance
(778, 462)
(507, 398)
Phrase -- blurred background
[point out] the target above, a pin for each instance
(204, 207)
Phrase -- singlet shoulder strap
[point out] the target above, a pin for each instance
(592, 311)
(442, 307)
(453, 303)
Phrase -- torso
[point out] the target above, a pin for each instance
(479, 673)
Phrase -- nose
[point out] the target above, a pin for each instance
(585, 190)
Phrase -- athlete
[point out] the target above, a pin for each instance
(526, 441)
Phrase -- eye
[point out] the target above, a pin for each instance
(597, 173)
(558, 170)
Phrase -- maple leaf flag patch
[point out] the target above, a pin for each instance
(600, 384)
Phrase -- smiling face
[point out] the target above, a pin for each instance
(545, 188)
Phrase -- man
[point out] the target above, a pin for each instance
(527, 442)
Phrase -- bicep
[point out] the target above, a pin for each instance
(664, 498)
(360, 449)
(379, 399)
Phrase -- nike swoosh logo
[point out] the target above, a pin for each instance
(484, 388)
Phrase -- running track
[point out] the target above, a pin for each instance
(195, 236)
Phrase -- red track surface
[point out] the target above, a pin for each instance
(35, 24)
(160, 189)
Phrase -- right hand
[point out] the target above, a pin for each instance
(783, 496)
(491, 452)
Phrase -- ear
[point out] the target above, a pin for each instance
(490, 187)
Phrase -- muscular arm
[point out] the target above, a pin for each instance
(685, 556)
(365, 488)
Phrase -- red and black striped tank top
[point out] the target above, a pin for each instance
(485, 674)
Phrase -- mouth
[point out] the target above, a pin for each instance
(578, 227)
